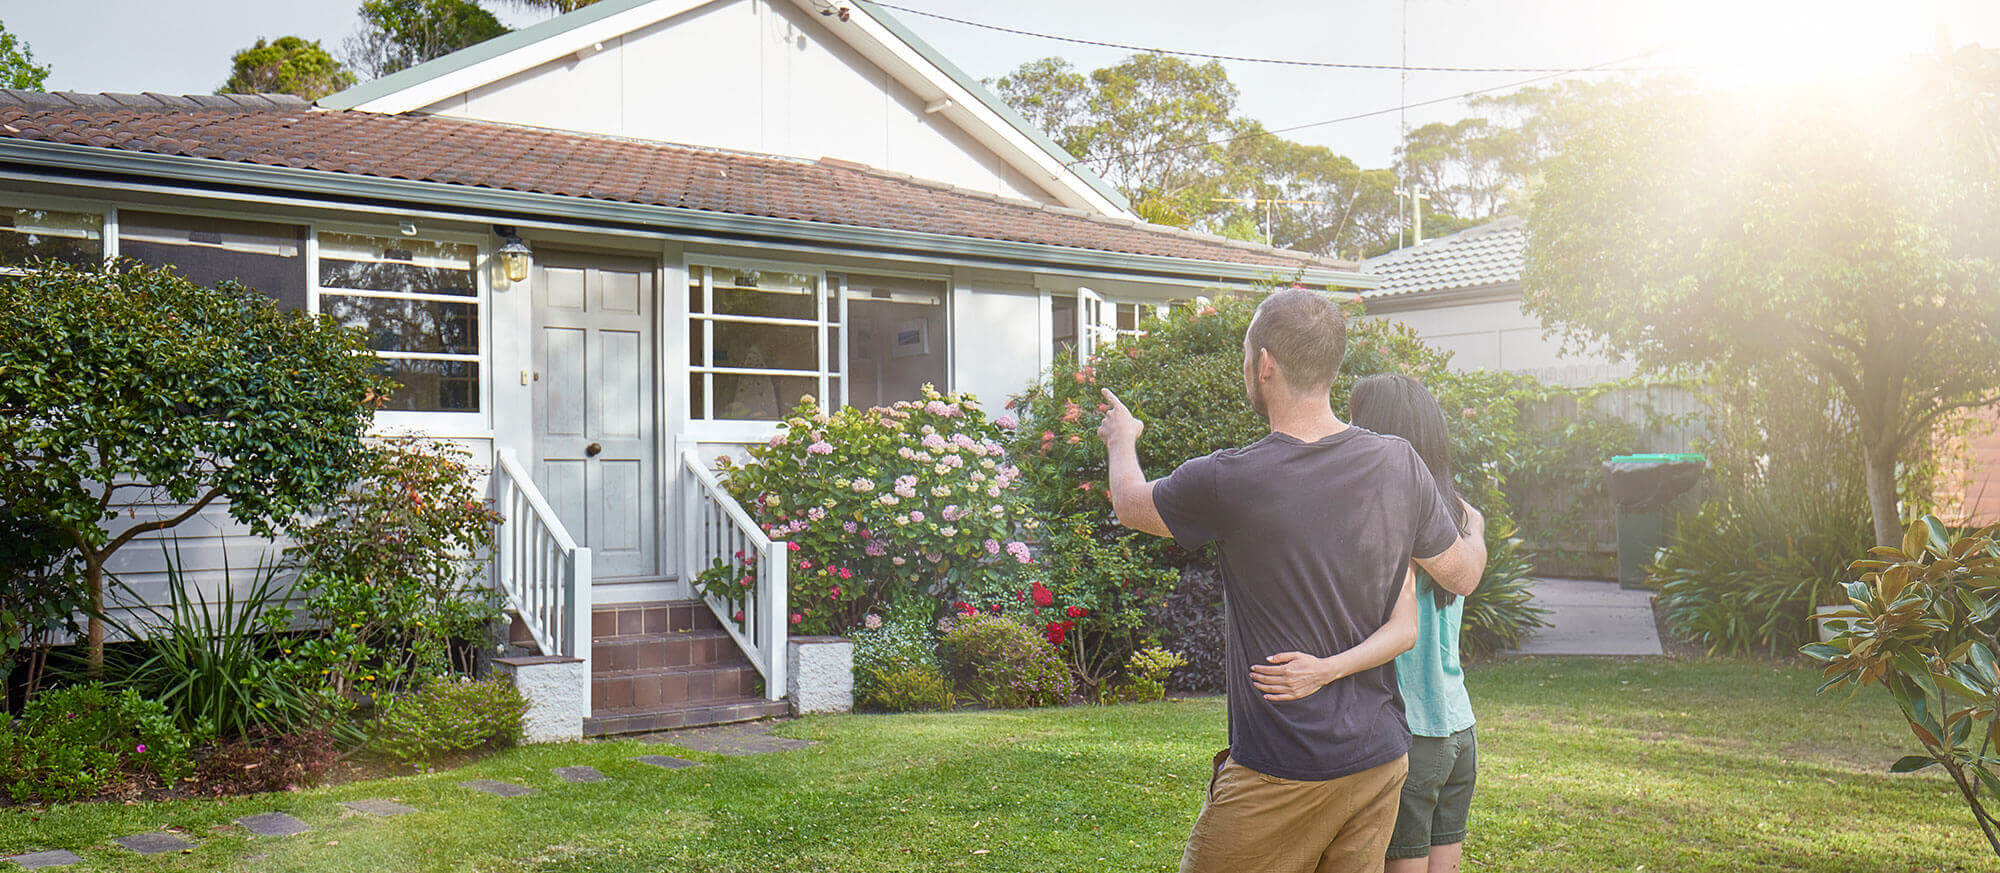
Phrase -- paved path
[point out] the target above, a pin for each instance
(1592, 618)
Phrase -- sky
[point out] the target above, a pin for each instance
(183, 46)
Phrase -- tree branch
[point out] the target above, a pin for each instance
(160, 524)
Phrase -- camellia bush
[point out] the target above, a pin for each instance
(1923, 621)
(1184, 378)
(914, 498)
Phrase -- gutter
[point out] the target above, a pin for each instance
(504, 205)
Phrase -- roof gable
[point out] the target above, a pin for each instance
(1025, 160)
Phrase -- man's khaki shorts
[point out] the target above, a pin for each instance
(1254, 822)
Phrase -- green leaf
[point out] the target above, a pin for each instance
(1912, 763)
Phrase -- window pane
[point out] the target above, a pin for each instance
(66, 237)
(401, 325)
(759, 398)
(266, 257)
(897, 340)
(697, 395)
(1063, 311)
(766, 346)
(697, 343)
(432, 386)
(1128, 316)
(404, 265)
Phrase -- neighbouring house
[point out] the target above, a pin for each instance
(604, 249)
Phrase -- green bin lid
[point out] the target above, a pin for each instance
(1681, 458)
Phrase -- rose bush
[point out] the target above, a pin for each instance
(917, 497)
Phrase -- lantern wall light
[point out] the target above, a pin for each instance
(515, 256)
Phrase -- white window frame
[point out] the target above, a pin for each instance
(431, 421)
(846, 325)
(702, 310)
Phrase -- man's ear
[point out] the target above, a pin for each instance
(1267, 366)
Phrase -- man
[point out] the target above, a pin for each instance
(1318, 523)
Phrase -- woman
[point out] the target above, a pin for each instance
(1444, 760)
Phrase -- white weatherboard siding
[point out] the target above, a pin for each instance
(1491, 334)
(749, 75)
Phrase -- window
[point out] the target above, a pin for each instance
(1099, 323)
(37, 234)
(897, 338)
(418, 303)
(757, 342)
(269, 258)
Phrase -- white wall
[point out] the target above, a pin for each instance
(751, 75)
(1499, 335)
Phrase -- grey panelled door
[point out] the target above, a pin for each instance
(596, 454)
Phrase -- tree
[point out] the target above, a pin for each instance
(398, 34)
(1851, 242)
(287, 65)
(132, 386)
(17, 64)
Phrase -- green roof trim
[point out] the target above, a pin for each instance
(375, 89)
(993, 102)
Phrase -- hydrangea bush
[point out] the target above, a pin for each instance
(916, 497)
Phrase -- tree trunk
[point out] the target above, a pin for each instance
(1881, 475)
(93, 574)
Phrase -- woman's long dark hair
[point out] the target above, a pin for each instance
(1397, 405)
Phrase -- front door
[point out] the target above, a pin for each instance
(595, 413)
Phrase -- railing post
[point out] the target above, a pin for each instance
(577, 603)
(778, 610)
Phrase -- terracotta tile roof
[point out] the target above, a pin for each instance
(1476, 257)
(282, 131)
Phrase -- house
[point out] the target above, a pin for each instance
(604, 249)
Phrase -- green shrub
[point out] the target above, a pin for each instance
(78, 742)
(1147, 671)
(895, 647)
(998, 662)
(1500, 614)
(1742, 575)
(41, 592)
(884, 502)
(449, 716)
(390, 572)
(218, 667)
(910, 688)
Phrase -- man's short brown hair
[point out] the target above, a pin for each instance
(1305, 332)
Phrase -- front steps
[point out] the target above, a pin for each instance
(668, 665)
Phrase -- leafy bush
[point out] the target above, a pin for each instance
(390, 570)
(1499, 614)
(892, 654)
(81, 741)
(910, 688)
(1924, 621)
(882, 502)
(1002, 664)
(218, 667)
(1147, 673)
(41, 593)
(1742, 575)
(449, 716)
(1190, 623)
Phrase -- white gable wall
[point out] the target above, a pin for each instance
(1497, 334)
(750, 75)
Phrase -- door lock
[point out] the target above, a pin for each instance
(591, 451)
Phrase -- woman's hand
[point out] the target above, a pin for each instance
(1293, 675)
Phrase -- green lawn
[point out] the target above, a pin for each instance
(1587, 765)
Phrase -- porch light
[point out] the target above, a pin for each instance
(515, 256)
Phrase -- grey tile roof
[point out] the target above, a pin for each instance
(1476, 257)
(150, 101)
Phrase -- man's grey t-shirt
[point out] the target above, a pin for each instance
(1315, 540)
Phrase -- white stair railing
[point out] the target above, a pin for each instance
(716, 528)
(538, 567)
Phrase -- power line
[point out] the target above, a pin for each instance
(1404, 67)
(1607, 65)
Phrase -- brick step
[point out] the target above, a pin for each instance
(704, 648)
(666, 718)
(614, 620)
(646, 689)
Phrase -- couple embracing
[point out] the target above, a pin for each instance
(1343, 549)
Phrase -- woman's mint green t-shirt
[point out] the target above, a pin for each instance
(1432, 680)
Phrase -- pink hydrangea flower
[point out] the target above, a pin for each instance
(906, 486)
(916, 516)
(1007, 422)
(874, 549)
(820, 447)
(992, 547)
(1020, 552)
(871, 621)
(935, 443)
(951, 513)
(816, 513)
(898, 561)
(850, 527)
(953, 461)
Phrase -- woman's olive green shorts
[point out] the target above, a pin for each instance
(1437, 796)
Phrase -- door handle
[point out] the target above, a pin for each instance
(591, 450)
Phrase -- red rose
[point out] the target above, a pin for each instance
(1076, 612)
(1056, 632)
(963, 608)
(1042, 595)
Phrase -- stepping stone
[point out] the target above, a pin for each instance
(665, 762)
(51, 858)
(273, 824)
(579, 774)
(497, 789)
(748, 739)
(384, 808)
(154, 843)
